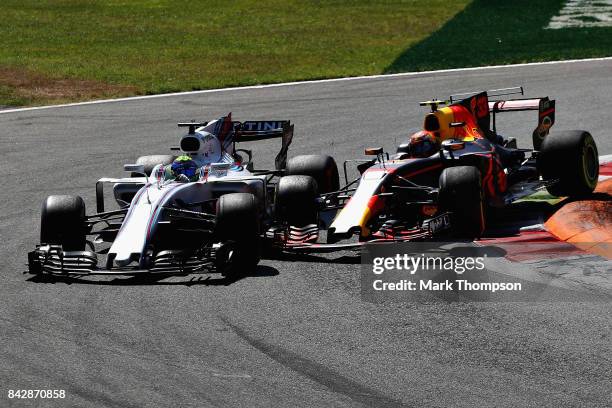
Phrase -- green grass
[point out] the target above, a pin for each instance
(65, 50)
(490, 32)
(171, 45)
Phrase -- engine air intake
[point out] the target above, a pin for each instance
(190, 144)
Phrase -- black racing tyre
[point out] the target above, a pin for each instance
(295, 201)
(571, 157)
(461, 194)
(151, 161)
(320, 167)
(238, 221)
(62, 222)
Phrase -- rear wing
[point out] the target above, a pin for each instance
(492, 94)
(544, 106)
(260, 129)
(546, 114)
(251, 131)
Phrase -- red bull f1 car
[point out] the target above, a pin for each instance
(418, 193)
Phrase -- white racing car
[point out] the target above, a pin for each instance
(207, 210)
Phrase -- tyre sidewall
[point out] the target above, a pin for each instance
(461, 194)
(238, 222)
(295, 200)
(570, 157)
(63, 222)
(322, 168)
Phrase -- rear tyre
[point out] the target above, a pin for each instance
(150, 162)
(63, 222)
(238, 222)
(461, 194)
(296, 200)
(321, 168)
(570, 157)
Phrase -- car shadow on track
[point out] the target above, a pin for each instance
(352, 259)
(212, 279)
(509, 221)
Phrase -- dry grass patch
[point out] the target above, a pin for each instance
(19, 86)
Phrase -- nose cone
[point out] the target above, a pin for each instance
(124, 258)
(132, 237)
(360, 208)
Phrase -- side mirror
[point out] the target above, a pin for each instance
(135, 168)
(373, 151)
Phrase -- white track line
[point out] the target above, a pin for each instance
(316, 81)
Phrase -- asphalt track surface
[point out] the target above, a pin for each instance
(295, 332)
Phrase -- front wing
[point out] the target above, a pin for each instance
(53, 260)
(304, 239)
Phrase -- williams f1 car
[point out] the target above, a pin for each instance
(444, 178)
(208, 210)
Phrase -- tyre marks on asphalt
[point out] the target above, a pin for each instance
(359, 393)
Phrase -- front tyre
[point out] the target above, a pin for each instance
(295, 202)
(571, 158)
(63, 222)
(461, 194)
(149, 162)
(238, 222)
